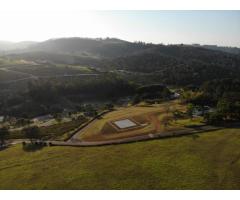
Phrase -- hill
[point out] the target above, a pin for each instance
(181, 65)
(100, 48)
(188, 162)
(233, 50)
(53, 57)
(170, 64)
(9, 46)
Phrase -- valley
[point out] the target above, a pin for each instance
(147, 116)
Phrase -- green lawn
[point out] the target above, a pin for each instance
(205, 161)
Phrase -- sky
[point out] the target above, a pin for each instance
(168, 27)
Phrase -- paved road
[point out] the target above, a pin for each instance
(177, 133)
(16, 141)
(75, 142)
(31, 76)
(27, 76)
(75, 137)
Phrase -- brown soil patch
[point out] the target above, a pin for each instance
(108, 129)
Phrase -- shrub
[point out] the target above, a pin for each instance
(31, 133)
(214, 118)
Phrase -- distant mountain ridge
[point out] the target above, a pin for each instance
(233, 50)
(100, 47)
(8, 46)
(175, 64)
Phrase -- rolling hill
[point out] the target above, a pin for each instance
(204, 161)
(100, 48)
(172, 64)
(9, 46)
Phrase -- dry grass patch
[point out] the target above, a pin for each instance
(149, 120)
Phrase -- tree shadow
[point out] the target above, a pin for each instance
(195, 136)
(3, 147)
(32, 147)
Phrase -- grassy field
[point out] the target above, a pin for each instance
(83, 69)
(150, 118)
(5, 61)
(50, 70)
(206, 161)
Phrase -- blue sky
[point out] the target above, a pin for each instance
(168, 27)
(205, 27)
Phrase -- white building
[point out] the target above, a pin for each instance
(175, 95)
(42, 118)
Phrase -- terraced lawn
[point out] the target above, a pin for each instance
(207, 161)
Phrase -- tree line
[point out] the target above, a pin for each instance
(221, 94)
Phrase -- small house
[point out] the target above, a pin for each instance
(43, 118)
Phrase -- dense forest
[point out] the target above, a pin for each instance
(52, 96)
(121, 68)
(182, 65)
(172, 64)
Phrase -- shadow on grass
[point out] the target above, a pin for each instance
(195, 136)
(31, 147)
(3, 147)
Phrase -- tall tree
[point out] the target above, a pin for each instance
(32, 133)
(4, 133)
(190, 109)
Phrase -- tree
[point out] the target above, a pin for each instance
(23, 122)
(3, 135)
(224, 107)
(58, 117)
(166, 120)
(109, 106)
(213, 118)
(136, 99)
(190, 109)
(166, 93)
(32, 133)
(167, 108)
(90, 111)
(176, 114)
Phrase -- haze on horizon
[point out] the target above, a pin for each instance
(169, 27)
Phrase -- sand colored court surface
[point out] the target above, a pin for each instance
(124, 123)
(131, 121)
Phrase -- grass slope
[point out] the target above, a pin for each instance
(51, 70)
(207, 161)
